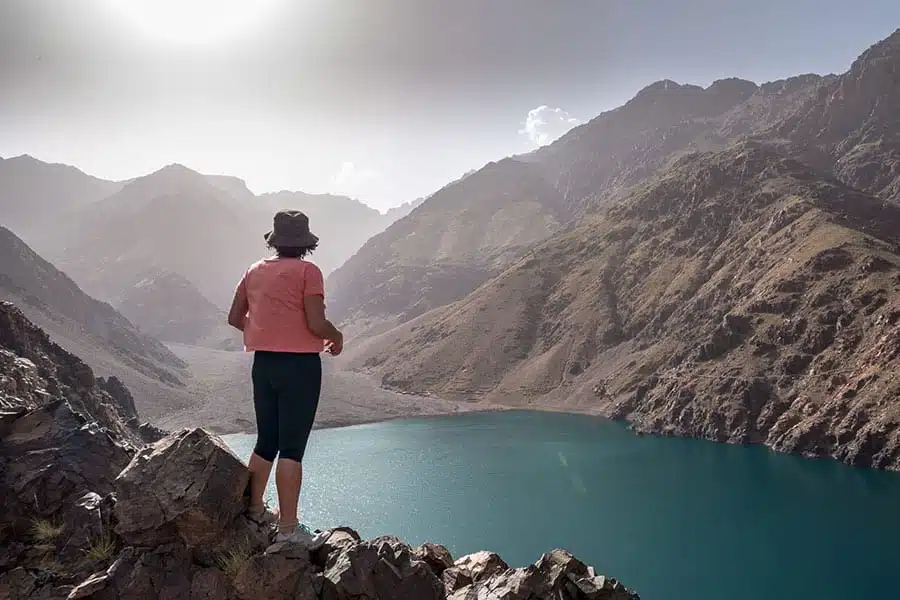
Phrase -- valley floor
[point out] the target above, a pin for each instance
(221, 400)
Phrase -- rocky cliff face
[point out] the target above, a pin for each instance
(89, 511)
(742, 297)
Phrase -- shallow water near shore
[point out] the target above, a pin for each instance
(674, 519)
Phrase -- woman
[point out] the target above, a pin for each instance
(279, 305)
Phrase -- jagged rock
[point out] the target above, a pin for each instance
(88, 524)
(211, 584)
(379, 569)
(187, 487)
(481, 565)
(556, 575)
(59, 457)
(150, 433)
(17, 584)
(119, 393)
(161, 572)
(454, 579)
(435, 556)
(338, 539)
(279, 576)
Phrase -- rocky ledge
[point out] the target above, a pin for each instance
(91, 511)
(173, 526)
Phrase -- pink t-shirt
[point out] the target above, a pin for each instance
(276, 320)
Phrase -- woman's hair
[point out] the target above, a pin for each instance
(293, 251)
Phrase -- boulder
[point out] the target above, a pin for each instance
(481, 565)
(161, 572)
(280, 576)
(379, 569)
(88, 525)
(437, 557)
(187, 487)
(338, 539)
(57, 456)
(211, 584)
(556, 575)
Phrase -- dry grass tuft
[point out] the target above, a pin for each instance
(44, 531)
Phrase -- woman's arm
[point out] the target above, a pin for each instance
(319, 325)
(237, 315)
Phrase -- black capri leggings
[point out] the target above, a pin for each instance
(286, 388)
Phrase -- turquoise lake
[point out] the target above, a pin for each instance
(673, 519)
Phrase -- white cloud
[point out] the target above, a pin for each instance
(544, 124)
(355, 181)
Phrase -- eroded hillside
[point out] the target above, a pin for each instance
(741, 297)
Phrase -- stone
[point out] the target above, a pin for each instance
(338, 539)
(481, 565)
(455, 578)
(162, 573)
(187, 487)
(379, 569)
(17, 584)
(88, 523)
(437, 557)
(279, 576)
(557, 575)
(59, 457)
(211, 584)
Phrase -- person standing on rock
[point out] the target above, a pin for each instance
(279, 305)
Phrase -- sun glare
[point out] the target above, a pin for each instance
(193, 21)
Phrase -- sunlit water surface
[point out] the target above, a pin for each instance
(674, 519)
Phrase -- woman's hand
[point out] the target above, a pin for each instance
(335, 346)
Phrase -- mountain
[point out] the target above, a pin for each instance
(740, 297)
(170, 308)
(172, 220)
(589, 167)
(110, 237)
(844, 125)
(342, 224)
(88, 327)
(457, 239)
(34, 194)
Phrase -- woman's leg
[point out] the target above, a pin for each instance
(298, 400)
(265, 404)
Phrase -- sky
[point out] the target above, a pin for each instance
(383, 100)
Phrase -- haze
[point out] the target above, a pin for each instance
(385, 101)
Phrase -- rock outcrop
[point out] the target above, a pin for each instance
(89, 512)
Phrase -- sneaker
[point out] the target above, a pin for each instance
(301, 536)
(262, 516)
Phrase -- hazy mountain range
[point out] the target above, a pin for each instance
(720, 262)
(192, 234)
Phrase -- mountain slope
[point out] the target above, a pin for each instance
(846, 125)
(741, 297)
(851, 126)
(342, 224)
(87, 327)
(34, 193)
(445, 248)
(580, 173)
(170, 308)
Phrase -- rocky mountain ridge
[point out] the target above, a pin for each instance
(92, 512)
(740, 297)
(843, 125)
